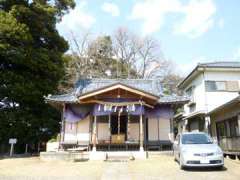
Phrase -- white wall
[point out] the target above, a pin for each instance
(215, 99)
(207, 101)
(198, 94)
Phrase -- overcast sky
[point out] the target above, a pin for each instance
(190, 31)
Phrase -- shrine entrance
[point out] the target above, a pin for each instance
(119, 125)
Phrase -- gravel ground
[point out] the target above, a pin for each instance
(157, 167)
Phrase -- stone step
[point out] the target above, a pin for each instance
(119, 156)
(158, 153)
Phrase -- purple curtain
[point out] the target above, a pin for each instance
(159, 111)
(75, 113)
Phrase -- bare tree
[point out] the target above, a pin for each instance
(80, 64)
(149, 57)
(141, 55)
(125, 47)
(122, 55)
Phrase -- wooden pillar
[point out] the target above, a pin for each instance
(185, 123)
(94, 133)
(207, 124)
(119, 122)
(62, 129)
(109, 126)
(141, 133)
(128, 127)
(238, 124)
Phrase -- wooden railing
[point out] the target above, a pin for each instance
(230, 143)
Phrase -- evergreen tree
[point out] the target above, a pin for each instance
(31, 66)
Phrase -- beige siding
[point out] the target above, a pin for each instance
(70, 132)
(103, 131)
(133, 131)
(229, 112)
(83, 129)
(77, 131)
(164, 129)
(153, 129)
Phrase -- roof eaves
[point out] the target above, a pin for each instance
(219, 108)
(181, 84)
(64, 98)
(194, 114)
(114, 84)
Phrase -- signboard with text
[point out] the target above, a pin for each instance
(12, 141)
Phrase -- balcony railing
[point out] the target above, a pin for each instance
(230, 143)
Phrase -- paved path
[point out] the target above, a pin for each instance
(160, 167)
(116, 171)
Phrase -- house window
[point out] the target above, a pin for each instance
(221, 86)
(233, 125)
(189, 92)
(192, 108)
(215, 86)
(221, 129)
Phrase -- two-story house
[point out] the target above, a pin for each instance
(209, 85)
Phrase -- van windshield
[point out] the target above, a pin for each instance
(196, 139)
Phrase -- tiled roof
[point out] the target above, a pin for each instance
(65, 98)
(226, 105)
(225, 64)
(88, 85)
(152, 86)
(220, 64)
(173, 99)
